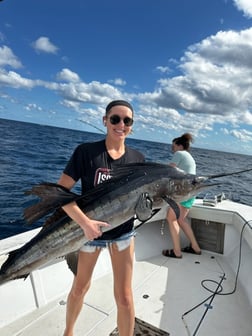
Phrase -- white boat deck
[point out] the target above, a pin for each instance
(164, 290)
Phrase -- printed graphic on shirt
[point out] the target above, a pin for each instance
(101, 175)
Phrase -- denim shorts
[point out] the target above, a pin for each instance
(122, 243)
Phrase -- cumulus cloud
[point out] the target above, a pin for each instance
(242, 134)
(163, 69)
(7, 57)
(117, 81)
(245, 6)
(2, 37)
(44, 45)
(14, 80)
(92, 93)
(68, 76)
(215, 85)
(32, 106)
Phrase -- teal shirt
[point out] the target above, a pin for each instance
(184, 160)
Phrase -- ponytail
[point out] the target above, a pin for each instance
(184, 140)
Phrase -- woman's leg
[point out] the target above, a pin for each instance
(174, 231)
(186, 227)
(81, 284)
(122, 264)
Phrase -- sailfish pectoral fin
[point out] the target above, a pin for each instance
(143, 207)
(173, 205)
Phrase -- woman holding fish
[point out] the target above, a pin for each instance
(91, 163)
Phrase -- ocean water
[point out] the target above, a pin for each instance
(31, 153)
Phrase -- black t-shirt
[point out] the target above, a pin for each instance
(91, 163)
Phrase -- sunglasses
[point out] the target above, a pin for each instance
(115, 119)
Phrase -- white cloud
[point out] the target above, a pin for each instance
(32, 106)
(14, 80)
(43, 44)
(8, 58)
(2, 37)
(163, 69)
(243, 135)
(93, 92)
(245, 6)
(215, 86)
(117, 81)
(68, 76)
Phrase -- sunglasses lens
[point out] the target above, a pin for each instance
(128, 121)
(115, 119)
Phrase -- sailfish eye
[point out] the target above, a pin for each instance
(195, 181)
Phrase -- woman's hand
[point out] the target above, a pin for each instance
(92, 228)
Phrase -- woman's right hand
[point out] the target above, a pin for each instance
(92, 228)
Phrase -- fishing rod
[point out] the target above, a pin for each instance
(230, 173)
(89, 124)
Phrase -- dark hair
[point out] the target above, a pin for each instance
(118, 103)
(184, 140)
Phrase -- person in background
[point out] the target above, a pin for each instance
(91, 163)
(182, 159)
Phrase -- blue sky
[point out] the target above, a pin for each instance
(185, 65)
